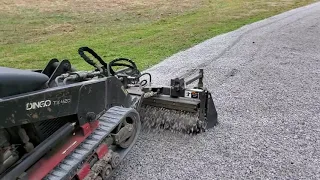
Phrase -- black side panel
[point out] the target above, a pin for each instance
(91, 100)
(39, 105)
(85, 99)
(117, 95)
(212, 115)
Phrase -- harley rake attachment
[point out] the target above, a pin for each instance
(177, 107)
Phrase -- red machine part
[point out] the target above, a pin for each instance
(84, 171)
(48, 162)
(101, 151)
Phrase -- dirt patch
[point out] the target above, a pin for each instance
(56, 28)
(283, 2)
(42, 33)
(96, 5)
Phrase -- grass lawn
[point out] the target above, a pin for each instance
(34, 31)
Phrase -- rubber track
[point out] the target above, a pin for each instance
(69, 166)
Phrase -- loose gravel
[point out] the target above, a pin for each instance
(265, 81)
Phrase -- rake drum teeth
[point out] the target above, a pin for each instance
(189, 115)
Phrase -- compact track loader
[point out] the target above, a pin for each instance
(61, 123)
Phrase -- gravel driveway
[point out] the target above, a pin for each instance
(265, 81)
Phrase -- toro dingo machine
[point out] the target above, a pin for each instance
(60, 123)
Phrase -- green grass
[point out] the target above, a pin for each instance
(31, 36)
